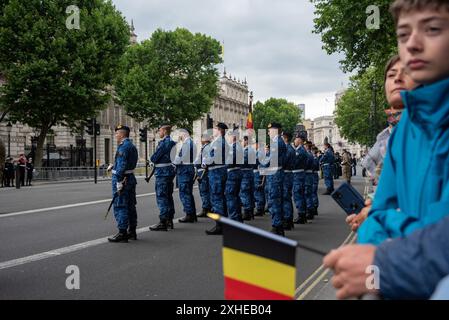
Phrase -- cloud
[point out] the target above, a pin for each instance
(270, 42)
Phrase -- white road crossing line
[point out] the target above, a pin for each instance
(60, 251)
(74, 205)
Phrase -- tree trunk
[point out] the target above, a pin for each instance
(40, 147)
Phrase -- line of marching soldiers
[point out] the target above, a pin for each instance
(236, 180)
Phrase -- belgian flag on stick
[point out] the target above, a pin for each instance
(257, 265)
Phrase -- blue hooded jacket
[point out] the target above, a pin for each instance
(413, 189)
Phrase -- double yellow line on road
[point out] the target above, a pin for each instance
(305, 288)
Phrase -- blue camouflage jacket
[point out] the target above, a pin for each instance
(126, 159)
(300, 158)
(162, 156)
(413, 189)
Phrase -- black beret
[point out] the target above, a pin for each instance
(124, 128)
(222, 126)
(274, 125)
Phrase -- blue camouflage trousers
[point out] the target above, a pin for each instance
(217, 183)
(125, 212)
(275, 197)
(328, 178)
(233, 182)
(259, 193)
(185, 175)
(299, 180)
(316, 181)
(287, 201)
(164, 197)
(204, 191)
(308, 187)
(247, 189)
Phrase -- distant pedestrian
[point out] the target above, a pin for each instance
(22, 162)
(347, 166)
(30, 170)
(354, 165)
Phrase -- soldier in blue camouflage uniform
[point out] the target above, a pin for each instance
(234, 161)
(247, 186)
(185, 174)
(289, 164)
(273, 165)
(308, 191)
(327, 162)
(124, 186)
(203, 178)
(216, 166)
(165, 173)
(316, 179)
(259, 186)
(299, 178)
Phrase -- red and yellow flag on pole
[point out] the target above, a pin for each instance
(257, 265)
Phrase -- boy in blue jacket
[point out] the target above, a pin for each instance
(413, 191)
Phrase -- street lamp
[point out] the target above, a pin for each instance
(9, 129)
(374, 87)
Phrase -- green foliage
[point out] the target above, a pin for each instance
(170, 78)
(56, 75)
(276, 110)
(354, 112)
(342, 25)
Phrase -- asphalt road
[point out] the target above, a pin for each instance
(38, 246)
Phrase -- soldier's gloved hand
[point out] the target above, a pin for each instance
(110, 167)
(119, 186)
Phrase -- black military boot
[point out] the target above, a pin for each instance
(278, 230)
(315, 211)
(247, 215)
(204, 213)
(161, 226)
(188, 219)
(288, 225)
(170, 224)
(300, 220)
(310, 215)
(121, 236)
(215, 231)
(132, 234)
(260, 213)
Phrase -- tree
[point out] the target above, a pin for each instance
(56, 74)
(170, 78)
(276, 110)
(353, 114)
(343, 29)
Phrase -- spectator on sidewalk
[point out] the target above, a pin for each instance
(411, 204)
(347, 164)
(22, 163)
(29, 170)
(396, 80)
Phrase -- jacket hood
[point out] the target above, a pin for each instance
(428, 106)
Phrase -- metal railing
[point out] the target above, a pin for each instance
(76, 173)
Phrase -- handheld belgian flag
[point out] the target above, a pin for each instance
(257, 265)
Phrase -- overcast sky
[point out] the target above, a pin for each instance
(270, 42)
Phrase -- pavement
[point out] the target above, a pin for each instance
(47, 228)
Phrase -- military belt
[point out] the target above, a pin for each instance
(233, 169)
(163, 165)
(298, 171)
(288, 171)
(247, 169)
(326, 164)
(126, 172)
(216, 167)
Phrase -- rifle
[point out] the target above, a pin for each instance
(199, 178)
(153, 169)
(116, 194)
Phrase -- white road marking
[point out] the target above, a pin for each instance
(74, 205)
(60, 251)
